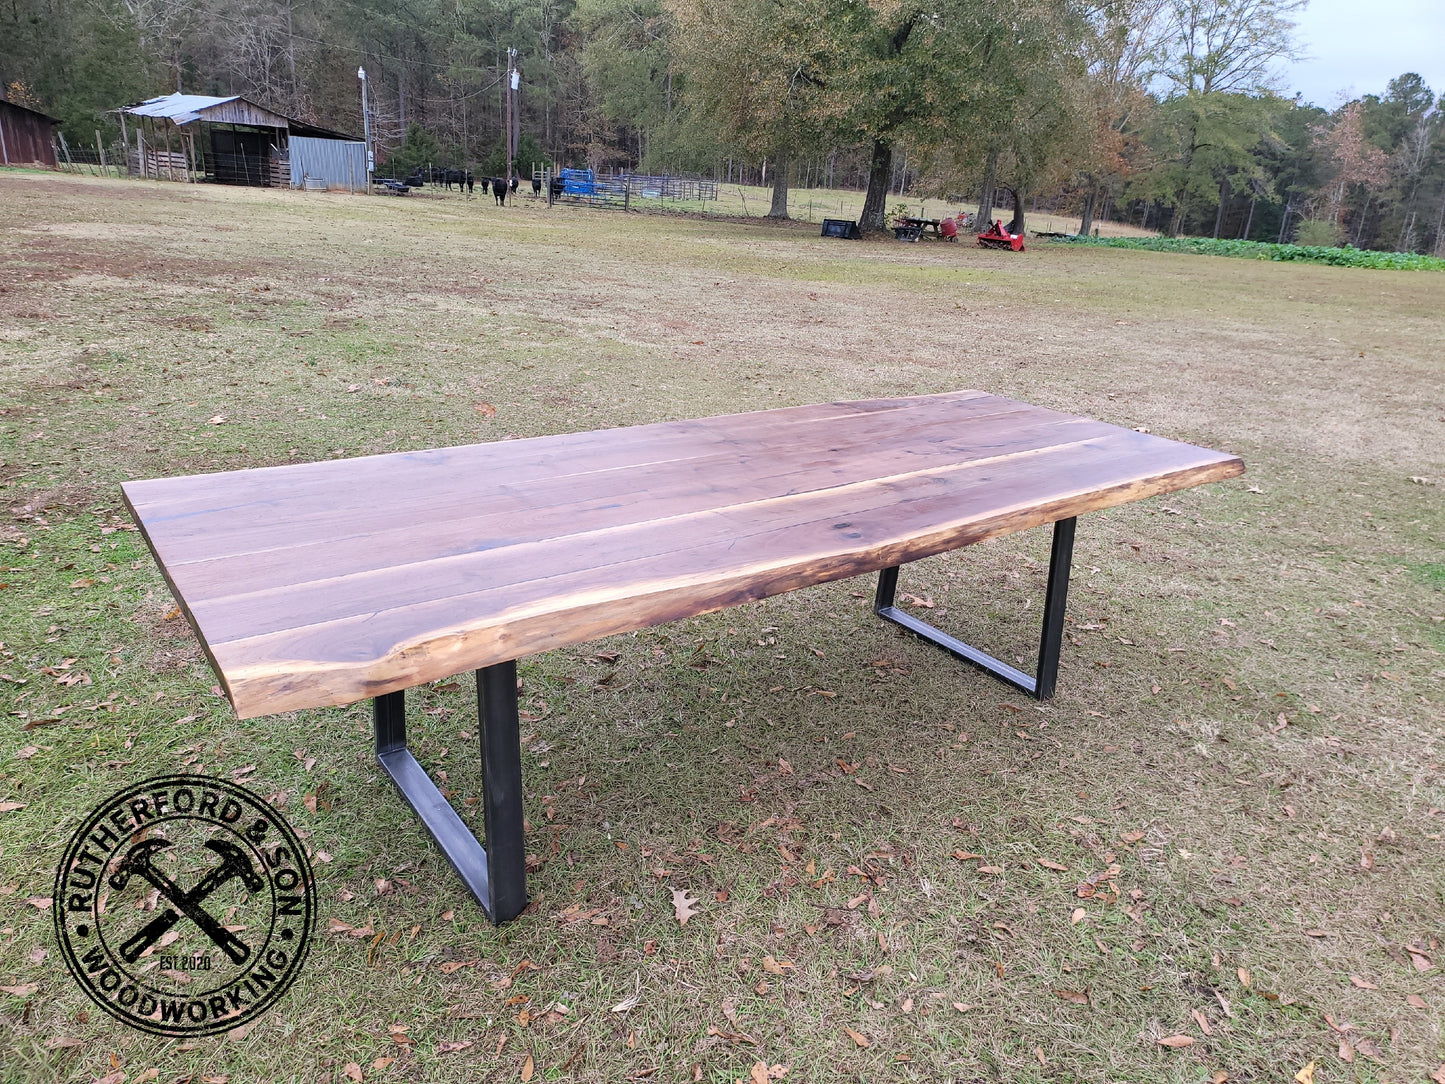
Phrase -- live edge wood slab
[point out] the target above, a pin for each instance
(320, 584)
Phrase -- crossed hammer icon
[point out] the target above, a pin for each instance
(234, 863)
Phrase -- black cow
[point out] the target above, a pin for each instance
(499, 190)
(415, 180)
(513, 185)
(486, 183)
(536, 185)
(471, 182)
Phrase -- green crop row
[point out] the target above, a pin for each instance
(1262, 250)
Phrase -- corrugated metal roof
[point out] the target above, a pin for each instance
(182, 109)
(179, 108)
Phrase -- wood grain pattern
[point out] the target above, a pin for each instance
(326, 583)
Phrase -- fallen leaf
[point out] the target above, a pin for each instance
(1420, 960)
(1201, 1020)
(1415, 1001)
(382, 1063)
(1362, 983)
(1052, 865)
(1176, 1042)
(40, 903)
(20, 991)
(1346, 1052)
(684, 905)
(38, 954)
(529, 1066)
(456, 965)
(1243, 977)
(117, 1077)
(1076, 997)
(351, 1071)
(1306, 1075)
(61, 1041)
(486, 410)
(759, 1073)
(1439, 1074)
(776, 967)
(861, 1040)
(22, 754)
(629, 1002)
(733, 1037)
(452, 1046)
(990, 869)
(1078, 915)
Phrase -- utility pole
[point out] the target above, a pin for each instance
(514, 83)
(366, 130)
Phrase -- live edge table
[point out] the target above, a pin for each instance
(320, 584)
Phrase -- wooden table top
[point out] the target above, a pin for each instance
(318, 584)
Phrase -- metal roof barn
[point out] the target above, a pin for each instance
(232, 140)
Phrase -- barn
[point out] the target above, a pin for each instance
(26, 136)
(232, 140)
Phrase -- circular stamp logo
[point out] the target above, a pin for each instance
(184, 905)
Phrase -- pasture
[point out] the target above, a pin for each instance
(1225, 829)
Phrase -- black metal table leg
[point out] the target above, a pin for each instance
(1050, 639)
(495, 874)
(501, 741)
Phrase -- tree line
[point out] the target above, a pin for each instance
(1161, 113)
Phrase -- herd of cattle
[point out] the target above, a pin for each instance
(463, 179)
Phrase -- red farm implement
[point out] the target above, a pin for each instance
(998, 237)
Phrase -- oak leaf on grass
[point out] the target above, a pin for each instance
(684, 905)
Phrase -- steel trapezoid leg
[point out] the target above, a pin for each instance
(431, 807)
(1056, 592)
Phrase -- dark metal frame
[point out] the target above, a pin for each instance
(497, 872)
(1056, 593)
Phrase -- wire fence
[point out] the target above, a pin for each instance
(664, 192)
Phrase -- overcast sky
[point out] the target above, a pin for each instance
(1360, 45)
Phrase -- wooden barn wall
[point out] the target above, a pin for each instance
(243, 112)
(25, 137)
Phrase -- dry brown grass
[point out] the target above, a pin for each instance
(1248, 723)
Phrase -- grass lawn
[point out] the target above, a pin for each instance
(1226, 827)
(814, 205)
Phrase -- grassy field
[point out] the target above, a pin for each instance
(1244, 760)
(814, 205)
